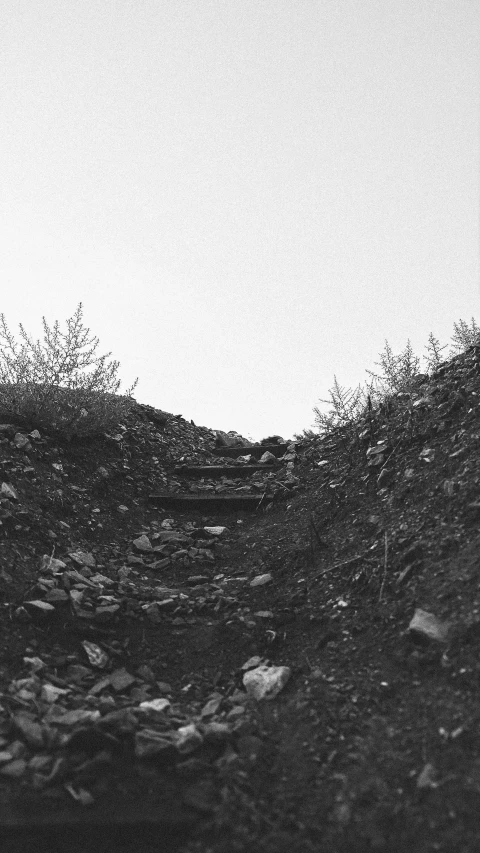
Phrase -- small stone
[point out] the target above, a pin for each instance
(120, 679)
(14, 769)
(252, 662)
(428, 626)
(261, 580)
(211, 707)
(266, 682)
(40, 762)
(21, 441)
(142, 543)
(57, 596)
(158, 565)
(216, 530)
(96, 656)
(50, 693)
(8, 491)
(189, 738)
(30, 730)
(267, 458)
(237, 711)
(156, 705)
(100, 685)
(82, 558)
(39, 608)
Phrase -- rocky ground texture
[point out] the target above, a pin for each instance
(299, 674)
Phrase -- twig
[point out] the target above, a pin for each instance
(339, 565)
(261, 499)
(389, 457)
(384, 567)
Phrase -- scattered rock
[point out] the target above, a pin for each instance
(261, 580)
(427, 626)
(266, 682)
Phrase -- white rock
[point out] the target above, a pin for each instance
(427, 625)
(267, 458)
(82, 558)
(40, 606)
(50, 693)
(188, 738)
(266, 682)
(156, 705)
(143, 543)
(261, 580)
(9, 491)
(216, 531)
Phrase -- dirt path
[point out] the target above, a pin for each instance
(125, 715)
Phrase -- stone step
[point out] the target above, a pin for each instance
(208, 502)
(256, 451)
(214, 471)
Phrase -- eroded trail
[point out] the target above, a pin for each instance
(126, 702)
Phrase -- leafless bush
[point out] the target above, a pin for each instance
(399, 374)
(60, 385)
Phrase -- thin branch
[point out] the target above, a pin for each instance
(384, 567)
(356, 559)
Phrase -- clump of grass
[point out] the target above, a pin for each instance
(60, 386)
(399, 374)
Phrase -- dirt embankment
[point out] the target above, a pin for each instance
(126, 695)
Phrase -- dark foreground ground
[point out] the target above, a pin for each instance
(373, 744)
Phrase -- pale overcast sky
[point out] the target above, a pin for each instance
(248, 196)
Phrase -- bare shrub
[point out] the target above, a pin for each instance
(464, 335)
(60, 385)
(399, 374)
(345, 405)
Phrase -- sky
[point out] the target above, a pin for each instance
(247, 197)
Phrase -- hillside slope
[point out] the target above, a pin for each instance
(124, 708)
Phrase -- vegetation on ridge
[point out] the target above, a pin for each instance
(61, 385)
(399, 374)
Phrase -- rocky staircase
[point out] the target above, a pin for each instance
(227, 496)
